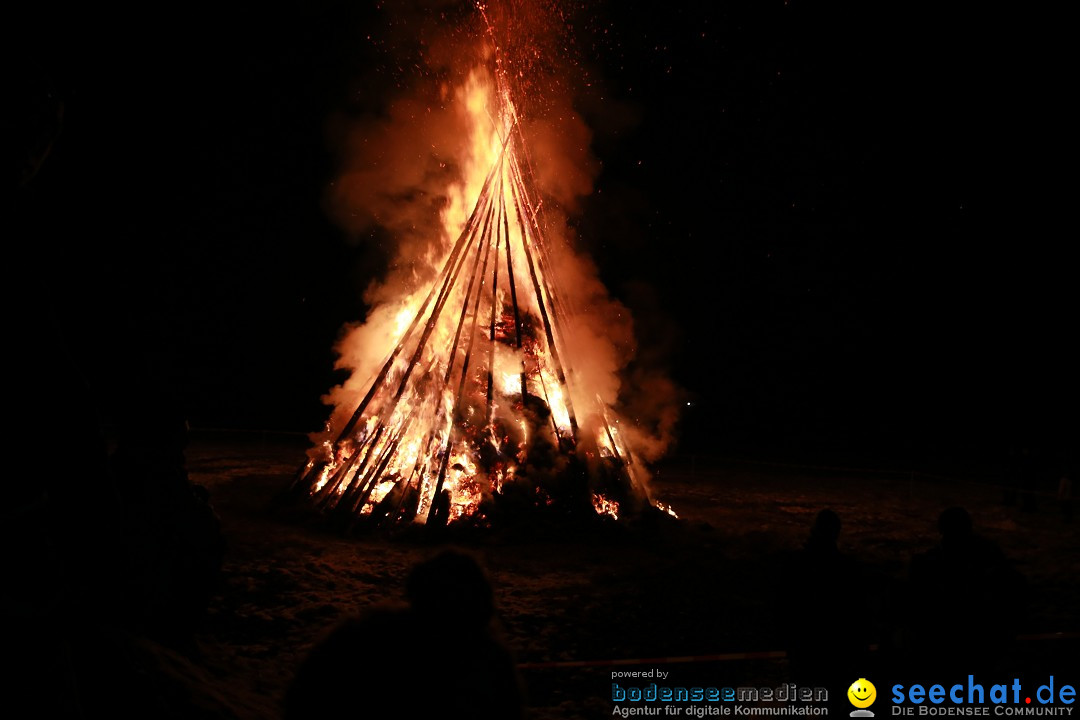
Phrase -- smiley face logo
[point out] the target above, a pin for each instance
(862, 693)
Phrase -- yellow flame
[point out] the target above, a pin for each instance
(324, 477)
(603, 506)
(668, 509)
(511, 383)
(403, 318)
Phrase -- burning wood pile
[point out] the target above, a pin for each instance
(477, 413)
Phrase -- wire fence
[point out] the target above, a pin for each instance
(737, 656)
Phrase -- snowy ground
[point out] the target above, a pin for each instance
(710, 585)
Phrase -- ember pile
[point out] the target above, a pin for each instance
(477, 414)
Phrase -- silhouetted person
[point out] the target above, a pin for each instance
(965, 601)
(67, 599)
(175, 547)
(830, 624)
(373, 666)
(824, 535)
(455, 606)
(438, 658)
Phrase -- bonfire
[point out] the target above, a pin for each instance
(479, 410)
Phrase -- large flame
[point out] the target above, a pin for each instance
(476, 393)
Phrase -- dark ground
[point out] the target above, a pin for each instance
(714, 584)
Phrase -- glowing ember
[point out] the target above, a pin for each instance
(666, 508)
(477, 394)
(603, 506)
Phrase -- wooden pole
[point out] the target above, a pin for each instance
(468, 292)
(464, 380)
(491, 334)
(462, 242)
(513, 290)
(547, 324)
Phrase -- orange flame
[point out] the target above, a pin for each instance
(476, 368)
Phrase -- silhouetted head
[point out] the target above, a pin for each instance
(453, 585)
(826, 527)
(954, 524)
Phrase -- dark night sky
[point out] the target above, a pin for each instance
(842, 228)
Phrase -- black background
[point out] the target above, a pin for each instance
(845, 230)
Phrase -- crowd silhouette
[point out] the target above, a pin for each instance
(957, 611)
